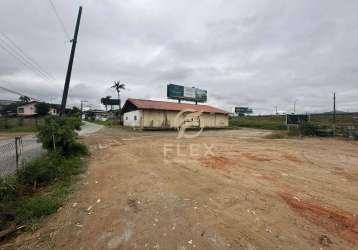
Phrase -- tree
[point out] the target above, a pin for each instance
(58, 134)
(75, 111)
(42, 108)
(105, 100)
(24, 99)
(10, 109)
(118, 86)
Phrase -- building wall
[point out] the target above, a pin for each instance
(166, 119)
(28, 109)
(53, 111)
(133, 118)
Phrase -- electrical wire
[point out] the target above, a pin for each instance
(68, 37)
(24, 62)
(16, 93)
(11, 45)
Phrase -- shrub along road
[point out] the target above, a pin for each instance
(31, 148)
(227, 189)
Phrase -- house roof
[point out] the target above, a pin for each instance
(27, 103)
(161, 105)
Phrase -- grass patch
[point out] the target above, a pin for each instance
(38, 189)
(108, 123)
(40, 186)
(30, 209)
(19, 129)
(277, 122)
(259, 122)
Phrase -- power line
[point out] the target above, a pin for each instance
(20, 52)
(59, 20)
(16, 93)
(23, 62)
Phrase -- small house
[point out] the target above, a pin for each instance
(149, 114)
(29, 109)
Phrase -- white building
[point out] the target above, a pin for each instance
(158, 114)
(29, 109)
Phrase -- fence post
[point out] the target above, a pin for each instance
(53, 141)
(17, 152)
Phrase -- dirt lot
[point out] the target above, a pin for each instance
(223, 190)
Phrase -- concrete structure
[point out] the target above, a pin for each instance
(29, 109)
(147, 114)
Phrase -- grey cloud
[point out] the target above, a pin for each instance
(255, 53)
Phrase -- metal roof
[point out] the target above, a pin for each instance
(161, 105)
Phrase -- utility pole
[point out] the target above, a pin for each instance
(334, 113)
(82, 101)
(70, 63)
(276, 110)
(294, 107)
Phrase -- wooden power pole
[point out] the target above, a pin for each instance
(334, 113)
(70, 63)
(82, 101)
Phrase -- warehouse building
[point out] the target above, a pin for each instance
(148, 114)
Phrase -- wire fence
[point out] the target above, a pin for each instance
(14, 153)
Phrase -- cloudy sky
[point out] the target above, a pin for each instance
(245, 53)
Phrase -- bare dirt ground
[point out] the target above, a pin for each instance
(8, 136)
(229, 189)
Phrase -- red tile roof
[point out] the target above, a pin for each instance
(160, 105)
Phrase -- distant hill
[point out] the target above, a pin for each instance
(337, 112)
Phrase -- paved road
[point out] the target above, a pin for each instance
(89, 128)
(30, 148)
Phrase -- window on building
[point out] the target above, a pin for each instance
(126, 118)
(135, 117)
(20, 110)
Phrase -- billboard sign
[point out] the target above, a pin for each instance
(180, 92)
(243, 110)
(296, 119)
(111, 102)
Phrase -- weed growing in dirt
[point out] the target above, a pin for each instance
(38, 189)
(277, 135)
(40, 186)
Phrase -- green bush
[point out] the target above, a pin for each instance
(45, 169)
(308, 129)
(35, 207)
(78, 149)
(9, 188)
(18, 201)
(41, 170)
(58, 133)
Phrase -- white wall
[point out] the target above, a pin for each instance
(133, 118)
(29, 109)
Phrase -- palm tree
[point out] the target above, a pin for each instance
(118, 86)
(105, 100)
(24, 99)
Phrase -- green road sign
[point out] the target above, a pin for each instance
(180, 92)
